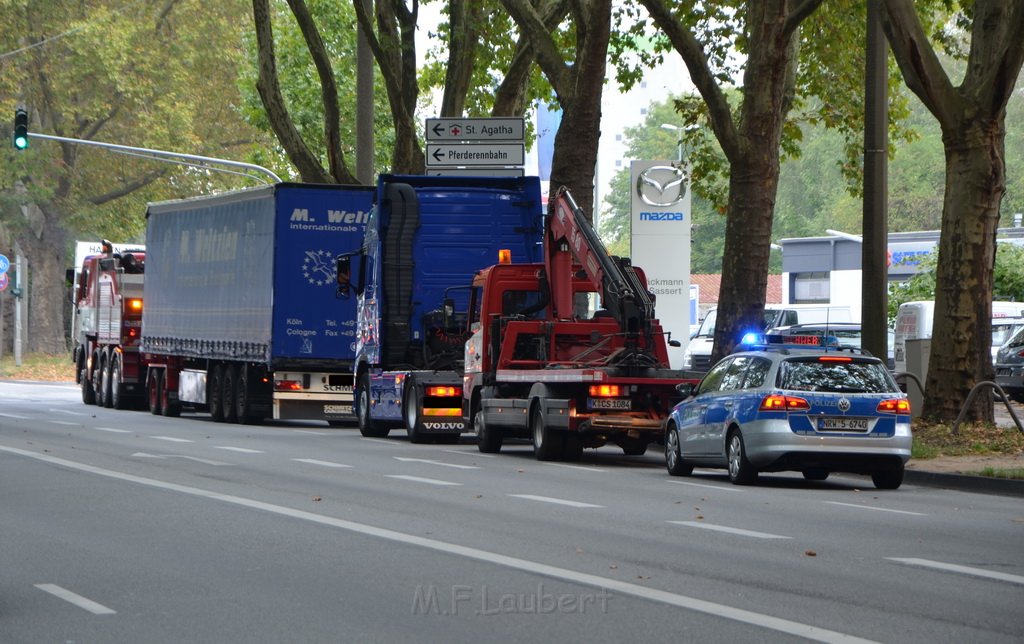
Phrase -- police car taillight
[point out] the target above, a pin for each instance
(894, 406)
(777, 402)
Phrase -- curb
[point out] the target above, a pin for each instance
(966, 483)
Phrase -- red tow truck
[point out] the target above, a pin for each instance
(108, 327)
(540, 365)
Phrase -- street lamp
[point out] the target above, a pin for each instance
(678, 129)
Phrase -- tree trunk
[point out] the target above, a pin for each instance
(975, 183)
(43, 245)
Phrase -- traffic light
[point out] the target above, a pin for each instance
(20, 129)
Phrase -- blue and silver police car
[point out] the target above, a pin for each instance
(809, 405)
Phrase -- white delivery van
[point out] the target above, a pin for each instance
(914, 322)
(698, 352)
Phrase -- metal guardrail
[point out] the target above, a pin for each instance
(984, 384)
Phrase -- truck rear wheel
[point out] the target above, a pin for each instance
(105, 384)
(229, 399)
(411, 413)
(488, 439)
(548, 444)
(154, 385)
(367, 427)
(247, 382)
(170, 406)
(88, 393)
(116, 386)
(215, 392)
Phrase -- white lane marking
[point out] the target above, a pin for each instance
(577, 467)
(64, 422)
(382, 441)
(869, 507)
(465, 453)
(313, 461)
(76, 599)
(417, 479)
(548, 499)
(713, 487)
(113, 430)
(244, 450)
(737, 531)
(406, 459)
(205, 461)
(964, 570)
(607, 583)
(307, 431)
(14, 416)
(65, 411)
(173, 439)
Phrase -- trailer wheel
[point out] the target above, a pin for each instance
(215, 392)
(411, 413)
(488, 439)
(243, 399)
(170, 406)
(88, 393)
(367, 427)
(116, 386)
(154, 385)
(548, 444)
(229, 399)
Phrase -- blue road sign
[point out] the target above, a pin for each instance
(4, 264)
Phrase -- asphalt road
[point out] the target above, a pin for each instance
(119, 526)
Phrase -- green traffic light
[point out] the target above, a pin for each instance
(20, 129)
(21, 142)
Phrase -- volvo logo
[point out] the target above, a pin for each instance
(844, 405)
(661, 185)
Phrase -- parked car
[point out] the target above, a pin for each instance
(774, 407)
(1002, 330)
(845, 333)
(1010, 367)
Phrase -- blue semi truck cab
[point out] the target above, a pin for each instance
(425, 239)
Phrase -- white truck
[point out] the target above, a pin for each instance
(697, 356)
(914, 322)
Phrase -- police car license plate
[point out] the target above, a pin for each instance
(609, 403)
(843, 424)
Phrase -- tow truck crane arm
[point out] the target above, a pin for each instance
(571, 238)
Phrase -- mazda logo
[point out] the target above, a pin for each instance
(661, 185)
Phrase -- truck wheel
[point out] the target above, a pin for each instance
(243, 400)
(488, 439)
(97, 380)
(411, 413)
(154, 385)
(229, 400)
(547, 443)
(572, 448)
(116, 386)
(105, 386)
(367, 427)
(170, 406)
(674, 461)
(215, 392)
(634, 448)
(88, 393)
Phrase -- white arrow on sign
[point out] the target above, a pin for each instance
(475, 154)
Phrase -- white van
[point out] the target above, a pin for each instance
(914, 322)
(698, 352)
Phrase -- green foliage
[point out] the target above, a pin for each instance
(1007, 279)
(300, 85)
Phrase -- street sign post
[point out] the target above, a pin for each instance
(475, 172)
(475, 154)
(475, 129)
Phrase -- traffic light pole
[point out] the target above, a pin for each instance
(163, 155)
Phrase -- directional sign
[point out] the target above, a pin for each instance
(475, 172)
(474, 154)
(478, 129)
(4, 281)
(4, 264)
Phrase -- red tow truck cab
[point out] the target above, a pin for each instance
(539, 365)
(108, 327)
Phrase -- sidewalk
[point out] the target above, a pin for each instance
(960, 472)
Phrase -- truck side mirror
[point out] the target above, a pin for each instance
(449, 312)
(686, 389)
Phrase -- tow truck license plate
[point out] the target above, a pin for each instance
(609, 403)
(849, 424)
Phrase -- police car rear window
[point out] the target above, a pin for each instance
(854, 376)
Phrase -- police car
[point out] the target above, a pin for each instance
(807, 405)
